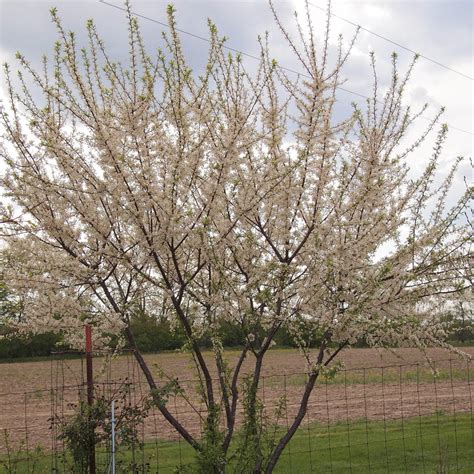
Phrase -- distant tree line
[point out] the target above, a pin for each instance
(156, 335)
(151, 334)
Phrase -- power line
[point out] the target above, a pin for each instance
(392, 41)
(251, 56)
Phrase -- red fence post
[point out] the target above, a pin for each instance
(90, 394)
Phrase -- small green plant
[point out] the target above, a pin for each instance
(91, 425)
(14, 459)
(260, 432)
(254, 426)
(12, 455)
(212, 457)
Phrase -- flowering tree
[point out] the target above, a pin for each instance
(225, 196)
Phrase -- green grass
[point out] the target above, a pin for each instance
(432, 444)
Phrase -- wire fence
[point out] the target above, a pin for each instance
(397, 418)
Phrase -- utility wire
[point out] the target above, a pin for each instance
(391, 41)
(251, 56)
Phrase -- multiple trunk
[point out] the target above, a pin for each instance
(230, 398)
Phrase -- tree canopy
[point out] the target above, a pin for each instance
(230, 195)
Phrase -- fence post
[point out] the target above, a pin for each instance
(90, 394)
(113, 436)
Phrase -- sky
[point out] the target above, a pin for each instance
(439, 29)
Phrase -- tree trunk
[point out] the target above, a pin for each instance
(294, 426)
(151, 383)
(273, 459)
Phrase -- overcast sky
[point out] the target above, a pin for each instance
(439, 29)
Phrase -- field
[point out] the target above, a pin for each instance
(380, 395)
(30, 376)
(374, 446)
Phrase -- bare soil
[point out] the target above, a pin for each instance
(376, 385)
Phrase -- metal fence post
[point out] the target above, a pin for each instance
(113, 436)
(90, 395)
